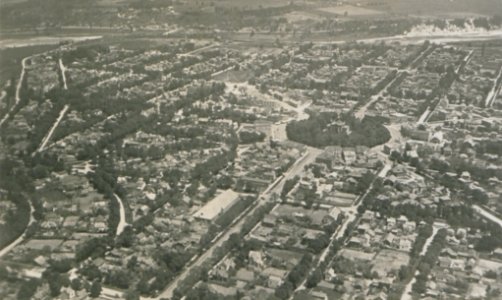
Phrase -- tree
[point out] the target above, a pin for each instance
(479, 196)
(488, 243)
(284, 290)
(54, 284)
(314, 278)
(133, 261)
(95, 290)
(318, 244)
(132, 295)
(419, 286)
(40, 171)
(61, 266)
(28, 289)
(126, 238)
(404, 273)
(76, 284)
(119, 279)
(288, 186)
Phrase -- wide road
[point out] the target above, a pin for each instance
(494, 92)
(295, 170)
(18, 90)
(48, 136)
(361, 112)
(63, 73)
(408, 289)
(62, 113)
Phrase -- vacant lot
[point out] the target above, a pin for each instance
(356, 255)
(41, 244)
(388, 260)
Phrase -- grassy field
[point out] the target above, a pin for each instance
(453, 8)
(246, 4)
(352, 11)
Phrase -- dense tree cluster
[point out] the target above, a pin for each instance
(250, 137)
(294, 278)
(95, 247)
(28, 289)
(88, 52)
(490, 242)
(205, 170)
(318, 131)
(429, 261)
(15, 180)
(289, 184)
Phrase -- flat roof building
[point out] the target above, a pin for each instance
(218, 205)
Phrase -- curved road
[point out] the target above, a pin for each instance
(122, 223)
(9, 247)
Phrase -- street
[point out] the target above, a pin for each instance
(18, 90)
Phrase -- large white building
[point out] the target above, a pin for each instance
(218, 205)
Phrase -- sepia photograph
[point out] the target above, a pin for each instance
(251, 149)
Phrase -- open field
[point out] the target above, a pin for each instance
(299, 16)
(245, 4)
(42, 40)
(350, 10)
(442, 7)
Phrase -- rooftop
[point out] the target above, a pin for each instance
(217, 205)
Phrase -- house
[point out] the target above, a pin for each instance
(274, 277)
(318, 295)
(497, 253)
(379, 296)
(329, 274)
(437, 137)
(355, 242)
(363, 228)
(405, 245)
(444, 262)
(448, 252)
(254, 184)
(391, 222)
(402, 220)
(349, 155)
(256, 258)
(409, 227)
(368, 216)
(269, 220)
(389, 240)
(220, 272)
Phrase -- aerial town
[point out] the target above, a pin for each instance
(287, 151)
